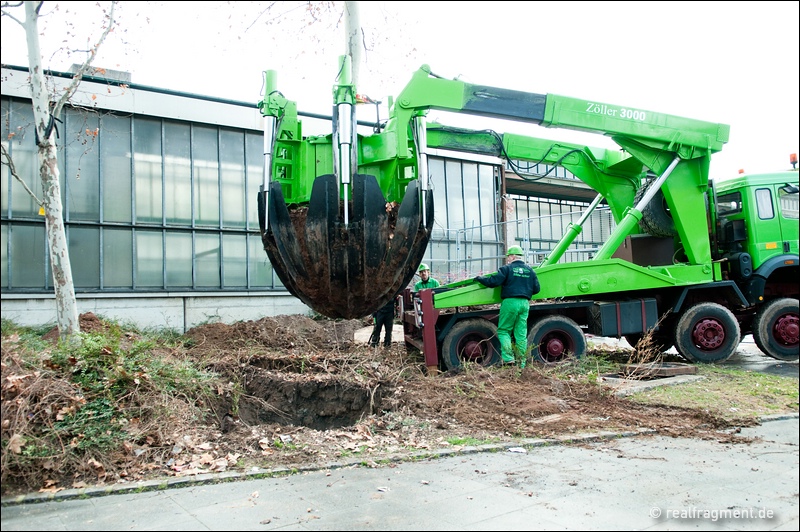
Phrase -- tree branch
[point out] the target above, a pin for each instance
(6, 160)
(76, 79)
(11, 5)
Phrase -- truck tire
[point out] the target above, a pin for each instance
(777, 327)
(556, 338)
(472, 340)
(707, 333)
(656, 218)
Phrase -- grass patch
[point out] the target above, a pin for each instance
(470, 441)
(75, 405)
(728, 392)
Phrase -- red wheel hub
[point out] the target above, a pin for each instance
(554, 347)
(787, 329)
(708, 334)
(472, 350)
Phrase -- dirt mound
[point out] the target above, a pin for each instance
(89, 323)
(280, 332)
(288, 391)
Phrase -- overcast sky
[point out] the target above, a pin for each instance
(729, 62)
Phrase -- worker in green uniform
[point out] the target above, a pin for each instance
(519, 283)
(426, 281)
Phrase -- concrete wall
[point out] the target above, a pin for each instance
(179, 311)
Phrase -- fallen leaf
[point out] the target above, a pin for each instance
(15, 443)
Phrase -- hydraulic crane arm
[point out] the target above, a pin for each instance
(346, 218)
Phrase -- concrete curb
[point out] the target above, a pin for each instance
(623, 387)
(218, 478)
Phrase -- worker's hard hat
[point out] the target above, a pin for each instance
(423, 267)
(514, 250)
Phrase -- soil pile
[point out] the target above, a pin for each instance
(294, 392)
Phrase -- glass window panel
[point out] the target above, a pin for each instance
(547, 221)
(84, 255)
(234, 249)
(260, 267)
(488, 202)
(115, 160)
(437, 171)
(764, 203)
(117, 258)
(788, 201)
(255, 176)
(179, 260)
(28, 260)
(232, 175)
(4, 256)
(471, 202)
(149, 259)
(495, 256)
(19, 137)
(729, 203)
(5, 124)
(147, 169)
(436, 257)
(455, 212)
(177, 174)
(82, 174)
(206, 175)
(207, 260)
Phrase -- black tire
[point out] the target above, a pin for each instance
(472, 340)
(776, 329)
(553, 339)
(656, 218)
(707, 333)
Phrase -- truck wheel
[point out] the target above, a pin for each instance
(656, 218)
(707, 333)
(777, 327)
(556, 338)
(473, 340)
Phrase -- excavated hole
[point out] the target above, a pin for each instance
(311, 402)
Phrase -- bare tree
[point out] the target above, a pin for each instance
(46, 109)
(353, 36)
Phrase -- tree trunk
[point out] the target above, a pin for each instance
(352, 26)
(66, 305)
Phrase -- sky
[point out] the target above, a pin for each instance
(725, 62)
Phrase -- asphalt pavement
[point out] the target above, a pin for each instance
(599, 482)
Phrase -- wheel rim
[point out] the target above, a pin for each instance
(474, 349)
(708, 334)
(471, 350)
(787, 330)
(554, 346)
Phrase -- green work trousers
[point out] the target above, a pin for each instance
(513, 319)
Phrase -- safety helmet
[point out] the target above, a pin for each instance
(514, 250)
(423, 267)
